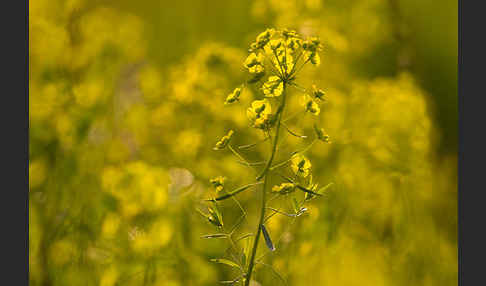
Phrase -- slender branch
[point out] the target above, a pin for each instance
(277, 132)
(293, 133)
(297, 70)
(302, 89)
(265, 182)
(243, 160)
(279, 164)
(277, 73)
(306, 148)
(258, 232)
(233, 245)
(251, 164)
(253, 144)
(238, 155)
(279, 64)
(274, 271)
(293, 115)
(296, 62)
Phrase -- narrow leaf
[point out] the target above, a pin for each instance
(225, 261)
(244, 236)
(307, 190)
(268, 240)
(293, 133)
(218, 213)
(283, 213)
(301, 187)
(321, 190)
(203, 214)
(295, 204)
(217, 235)
(237, 191)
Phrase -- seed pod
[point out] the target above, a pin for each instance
(225, 261)
(268, 240)
(215, 216)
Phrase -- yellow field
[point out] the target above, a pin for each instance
(126, 102)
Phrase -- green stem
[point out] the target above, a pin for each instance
(265, 182)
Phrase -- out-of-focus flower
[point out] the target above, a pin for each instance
(290, 34)
(311, 48)
(310, 105)
(234, 96)
(317, 93)
(218, 183)
(321, 135)
(223, 142)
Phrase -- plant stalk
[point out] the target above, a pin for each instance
(265, 175)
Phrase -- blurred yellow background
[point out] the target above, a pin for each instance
(126, 103)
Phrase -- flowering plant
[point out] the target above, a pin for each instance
(278, 56)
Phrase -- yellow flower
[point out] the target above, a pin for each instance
(254, 63)
(273, 87)
(275, 44)
(265, 35)
(234, 96)
(293, 43)
(311, 47)
(281, 56)
(285, 62)
(300, 165)
(317, 93)
(313, 57)
(223, 142)
(262, 39)
(218, 183)
(313, 44)
(289, 33)
(321, 135)
(284, 188)
(260, 113)
(310, 105)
